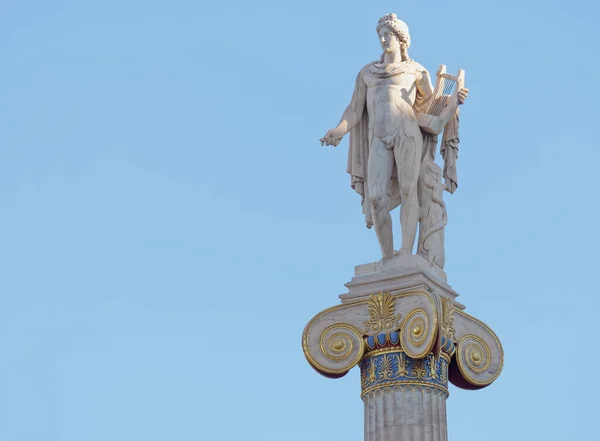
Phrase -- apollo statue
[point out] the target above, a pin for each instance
(392, 139)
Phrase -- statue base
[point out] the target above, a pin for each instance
(400, 274)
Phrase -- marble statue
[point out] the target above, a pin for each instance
(389, 145)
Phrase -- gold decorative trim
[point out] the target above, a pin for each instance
(386, 350)
(381, 313)
(338, 343)
(474, 357)
(419, 326)
(476, 361)
(408, 383)
(448, 319)
(349, 336)
(499, 346)
(395, 350)
(415, 331)
(307, 330)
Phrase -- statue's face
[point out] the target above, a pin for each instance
(389, 41)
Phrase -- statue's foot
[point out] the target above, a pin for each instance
(402, 252)
(386, 258)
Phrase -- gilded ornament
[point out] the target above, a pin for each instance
(432, 366)
(418, 333)
(339, 348)
(402, 364)
(382, 315)
(448, 319)
(474, 359)
(479, 355)
(418, 370)
(339, 342)
(418, 326)
(387, 371)
(337, 345)
(372, 377)
(404, 383)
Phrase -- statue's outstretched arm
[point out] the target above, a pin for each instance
(355, 109)
(351, 115)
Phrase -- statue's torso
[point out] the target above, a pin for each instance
(390, 98)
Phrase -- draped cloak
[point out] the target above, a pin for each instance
(358, 152)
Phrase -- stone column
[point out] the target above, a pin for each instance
(409, 341)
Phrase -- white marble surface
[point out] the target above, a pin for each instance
(400, 274)
(405, 413)
(398, 261)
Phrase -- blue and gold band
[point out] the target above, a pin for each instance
(392, 367)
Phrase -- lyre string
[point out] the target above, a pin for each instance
(439, 97)
(442, 96)
(438, 92)
(436, 101)
(448, 86)
(448, 93)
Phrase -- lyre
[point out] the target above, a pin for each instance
(444, 101)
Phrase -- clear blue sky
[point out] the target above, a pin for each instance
(169, 221)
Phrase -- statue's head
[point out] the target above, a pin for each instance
(393, 33)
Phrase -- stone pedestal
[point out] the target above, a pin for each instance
(401, 323)
(403, 273)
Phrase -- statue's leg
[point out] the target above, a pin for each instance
(379, 174)
(407, 153)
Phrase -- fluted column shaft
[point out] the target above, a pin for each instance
(405, 413)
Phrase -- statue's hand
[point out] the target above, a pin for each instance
(333, 137)
(462, 95)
